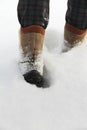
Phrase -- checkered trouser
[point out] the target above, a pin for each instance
(33, 12)
(36, 12)
(76, 14)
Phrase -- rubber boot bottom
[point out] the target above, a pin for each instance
(34, 77)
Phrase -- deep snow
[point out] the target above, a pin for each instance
(63, 106)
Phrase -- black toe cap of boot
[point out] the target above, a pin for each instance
(34, 77)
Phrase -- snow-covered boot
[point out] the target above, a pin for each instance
(31, 42)
(73, 36)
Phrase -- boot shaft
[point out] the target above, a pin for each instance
(31, 44)
(73, 35)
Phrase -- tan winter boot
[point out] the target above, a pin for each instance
(31, 42)
(73, 35)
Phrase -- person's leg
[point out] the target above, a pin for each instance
(33, 16)
(33, 12)
(76, 22)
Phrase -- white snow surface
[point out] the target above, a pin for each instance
(23, 106)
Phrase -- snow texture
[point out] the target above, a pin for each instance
(63, 106)
(26, 63)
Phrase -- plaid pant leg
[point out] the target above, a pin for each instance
(33, 12)
(76, 14)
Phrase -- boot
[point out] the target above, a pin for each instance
(31, 43)
(73, 36)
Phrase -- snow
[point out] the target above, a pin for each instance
(63, 106)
